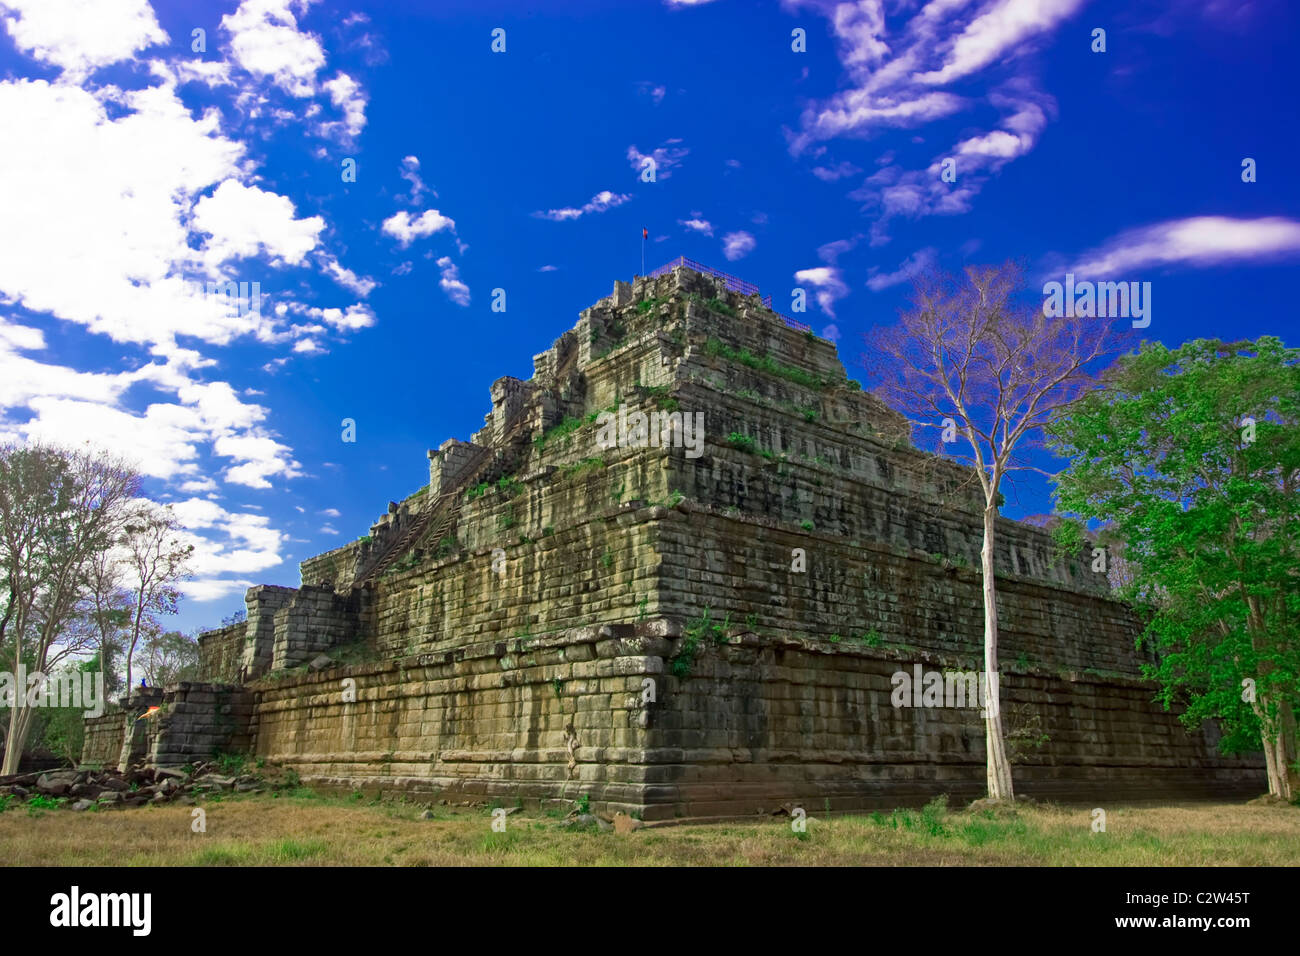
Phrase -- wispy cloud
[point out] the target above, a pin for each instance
(451, 283)
(410, 171)
(654, 91)
(912, 266)
(830, 174)
(600, 202)
(895, 77)
(1196, 241)
(665, 157)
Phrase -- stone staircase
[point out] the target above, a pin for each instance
(435, 520)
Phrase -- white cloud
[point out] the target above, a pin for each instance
(406, 229)
(345, 93)
(737, 245)
(352, 318)
(349, 279)
(1196, 241)
(81, 35)
(600, 202)
(332, 513)
(266, 42)
(829, 283)
(665, 157)
(450, 282)
(245, 220)
(697, 224)
(225, 543)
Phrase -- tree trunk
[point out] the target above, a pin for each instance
(20, 724)
(999, 768)
(1275, 753)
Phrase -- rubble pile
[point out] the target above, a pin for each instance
(87, 789)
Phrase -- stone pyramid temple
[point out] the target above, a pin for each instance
(679, 571)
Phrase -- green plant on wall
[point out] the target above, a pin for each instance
(697, 630)
(506, 520)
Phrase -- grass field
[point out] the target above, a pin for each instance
(306, 829)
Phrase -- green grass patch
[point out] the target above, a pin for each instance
(563, 432)
(587, 464)
(764, 363)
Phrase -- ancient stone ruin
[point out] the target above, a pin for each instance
(679, 624)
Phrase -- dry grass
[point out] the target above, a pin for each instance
(305, 829)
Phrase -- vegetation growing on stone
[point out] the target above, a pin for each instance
(764, 363)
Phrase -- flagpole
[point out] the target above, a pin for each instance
(643, 251)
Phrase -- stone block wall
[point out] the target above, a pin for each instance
(102, 742)
(540, 719)
(221, 653)
(757, 723)
(761, 721)
(262, 603)
(195, 721)
(199, 720)
(315, 620)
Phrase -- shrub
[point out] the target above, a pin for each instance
(742, 442)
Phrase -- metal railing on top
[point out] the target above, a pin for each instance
(734, 283)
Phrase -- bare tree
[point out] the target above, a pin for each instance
(58, 508)
(156, 558)
(975, 359)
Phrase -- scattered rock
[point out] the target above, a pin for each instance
(111, 797)
(116, 783)
(624, 824)
(56, 784)
(426, 815)
(319, 663)
(83, 804)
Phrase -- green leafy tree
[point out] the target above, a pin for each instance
(58, 509)
(1191, 458)
(168, 656)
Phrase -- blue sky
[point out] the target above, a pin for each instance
(133, 165)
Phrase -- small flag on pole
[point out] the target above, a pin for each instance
(645, 233)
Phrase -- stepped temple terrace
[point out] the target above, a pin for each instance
(703, 625)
